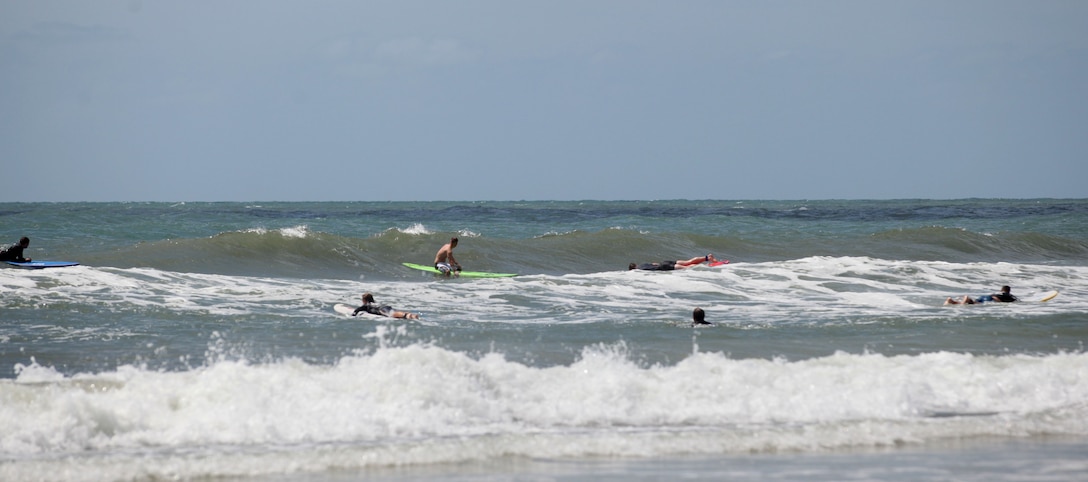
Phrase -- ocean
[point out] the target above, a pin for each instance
(198, 341)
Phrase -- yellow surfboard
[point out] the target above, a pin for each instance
(1049, 296)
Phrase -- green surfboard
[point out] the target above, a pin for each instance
(463, 274)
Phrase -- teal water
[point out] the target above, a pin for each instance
(198, 339)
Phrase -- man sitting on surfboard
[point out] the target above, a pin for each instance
(672, 265)
(15, 251)
(444, 261)
(371, 307)
(1005, 296)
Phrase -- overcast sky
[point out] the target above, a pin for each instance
(272, 100)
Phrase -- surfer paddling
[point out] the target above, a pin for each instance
(369, 306)
(444, 260)
(1004, 296)
(15, 251)
(674, 265)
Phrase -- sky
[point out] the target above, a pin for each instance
(478, 100)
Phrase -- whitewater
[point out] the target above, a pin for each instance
(197, 340)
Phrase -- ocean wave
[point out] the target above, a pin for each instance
(958, 244)
(299, 252)
(422, 404)
(300, 231)
(199, 340)
(844, 288)
(417, 228)
(163, 319)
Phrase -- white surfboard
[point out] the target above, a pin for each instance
(344, 309)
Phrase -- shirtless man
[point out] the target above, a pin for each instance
(444, 260)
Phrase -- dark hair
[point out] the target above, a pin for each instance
(1005, 289)
(24, 241)
(699, 316)
(368, 298)
(632, 266)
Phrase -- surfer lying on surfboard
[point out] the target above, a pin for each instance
(371, 307)
(672, 265)
(15, 251)
(1005, 296)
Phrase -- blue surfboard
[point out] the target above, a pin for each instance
(42, 264)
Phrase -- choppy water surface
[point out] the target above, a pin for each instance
(198, 339)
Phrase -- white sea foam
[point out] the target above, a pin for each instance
(417, 228)
(424, 404)
(300, 231)
(822, 289)
(403, 402)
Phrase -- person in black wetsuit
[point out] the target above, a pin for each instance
(1004, 296)
(15, 251)
(369, 306)
(673, 265)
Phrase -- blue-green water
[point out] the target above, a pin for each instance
(198, 339)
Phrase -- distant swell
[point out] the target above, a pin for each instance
(299, 253)
(951, 244)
